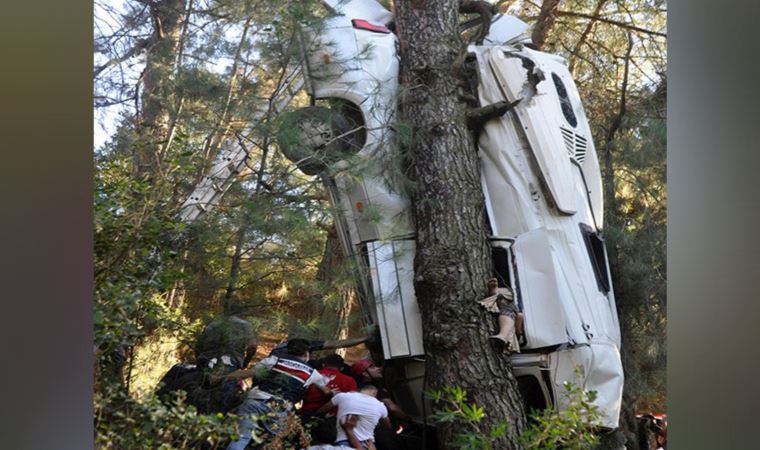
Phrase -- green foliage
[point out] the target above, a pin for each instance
(453, 408)
(133, 261)
(122, 422)
(571, 429)
(636, 234)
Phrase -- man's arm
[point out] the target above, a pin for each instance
(318, 380)
(394, 409)
(325, 390)
(324, 409)
(348, 426)
(341, 343)
(266, 363)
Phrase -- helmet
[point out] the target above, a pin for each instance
(358, 368)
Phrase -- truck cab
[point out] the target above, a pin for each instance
(542, 185)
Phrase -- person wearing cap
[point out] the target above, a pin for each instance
(279, 382)
(501, 301)
(365, 370)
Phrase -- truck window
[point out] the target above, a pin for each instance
(531, 392)
(500, 258)
(564, 101)
(598, 255)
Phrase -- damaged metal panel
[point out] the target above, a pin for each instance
(507, 29)
(391, 267)
(538, 119)
(582, 293)
(601, 370)
(550, 315)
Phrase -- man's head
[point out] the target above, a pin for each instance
(493, 284)
(299, 348)
(365, 368)
(334, 361)
(369, 389)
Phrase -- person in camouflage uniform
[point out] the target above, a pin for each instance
(226, 344)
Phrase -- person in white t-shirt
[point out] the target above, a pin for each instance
(358, 415)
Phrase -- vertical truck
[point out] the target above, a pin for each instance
(541, 181)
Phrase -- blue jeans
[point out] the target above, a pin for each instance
(271, 420)
(347, 443)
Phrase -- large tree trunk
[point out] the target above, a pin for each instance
(453, 256)
(544, 23)
(161, 51)
(168, 17)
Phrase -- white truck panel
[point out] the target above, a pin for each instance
(601, 371)
(538, 124)
(544, 297)
(507, 29)
(361, 9)
(391, 267)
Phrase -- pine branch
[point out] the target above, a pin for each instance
(611, 22)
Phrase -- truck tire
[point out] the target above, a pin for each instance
(315, 137)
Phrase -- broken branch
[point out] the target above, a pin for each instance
(611, 22)
(476, 117)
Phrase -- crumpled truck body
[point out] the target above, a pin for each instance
(542, 184)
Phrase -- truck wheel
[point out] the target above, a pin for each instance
(315, 137)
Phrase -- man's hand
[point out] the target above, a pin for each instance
(326, 390)
(348, 425)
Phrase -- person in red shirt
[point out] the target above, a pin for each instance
(336, 381)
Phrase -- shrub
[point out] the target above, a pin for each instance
(122, 422)
(572, 428)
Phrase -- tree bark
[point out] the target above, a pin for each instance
(584, 36)
(452, 260)
(544, 23)
(168, 17)
(609, 143)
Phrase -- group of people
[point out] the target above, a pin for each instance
(324, 393)
(343, 406)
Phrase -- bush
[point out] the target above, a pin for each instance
(122, 422)
(126, 423)
(572, 428)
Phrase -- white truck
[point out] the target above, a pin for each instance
(542, 185)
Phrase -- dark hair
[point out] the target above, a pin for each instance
(298, 347)
(333, 360)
